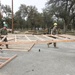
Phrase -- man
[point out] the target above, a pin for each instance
(53, 32)
(3, 33)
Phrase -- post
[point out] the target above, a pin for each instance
(0, 6)
(0, 9)
(12, 18)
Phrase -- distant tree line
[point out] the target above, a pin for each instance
(28, 17)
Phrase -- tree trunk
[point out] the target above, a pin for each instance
(65, 28)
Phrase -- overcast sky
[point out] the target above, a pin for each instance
(40, 4)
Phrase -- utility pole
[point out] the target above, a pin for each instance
(0, 7)
(12, 18)
(1, 12)
(1, 15)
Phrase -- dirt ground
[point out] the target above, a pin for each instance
(49, 61)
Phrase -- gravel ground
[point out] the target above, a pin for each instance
(49, 61)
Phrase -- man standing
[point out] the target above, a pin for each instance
(3, 33)
(53, 32)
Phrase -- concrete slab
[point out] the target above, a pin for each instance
(49, 61)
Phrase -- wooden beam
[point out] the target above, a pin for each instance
(4, 58)
(39, 38)
(46, 36)
(55, 41)
(57, 37)
(67, 36)
(3, 38)
(7, 61)
(27, 38)
(31, 47)
(15, 38)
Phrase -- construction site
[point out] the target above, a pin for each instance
(34, 42)
(29, 55)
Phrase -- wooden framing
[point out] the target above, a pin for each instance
(6, 60)
(37, 39)
(50, 38)
(58, 39)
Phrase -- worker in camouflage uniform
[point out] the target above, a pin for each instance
(3, 33)
(53, 32)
